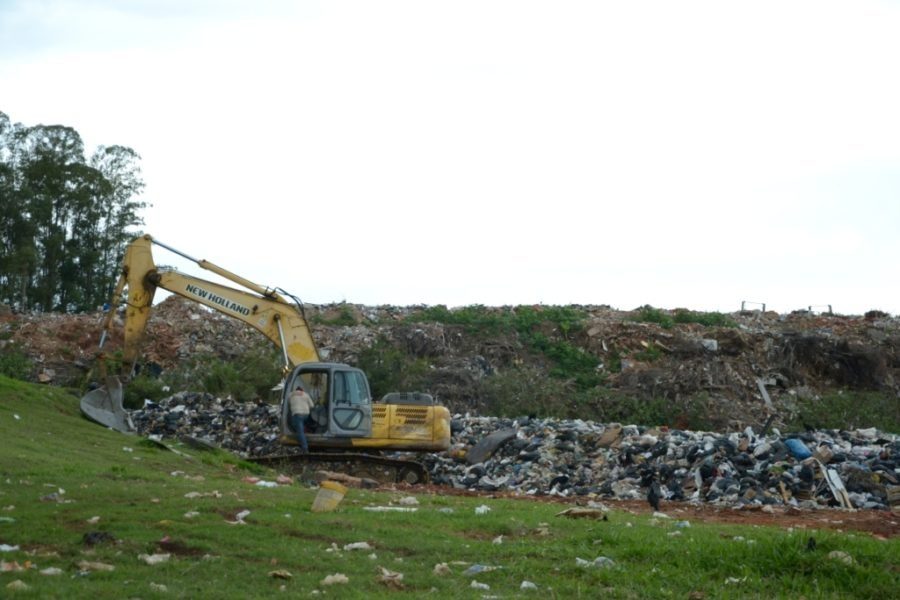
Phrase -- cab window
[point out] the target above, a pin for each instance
(350, 388)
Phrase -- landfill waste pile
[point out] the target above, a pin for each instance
(719, 374)
(569, 458)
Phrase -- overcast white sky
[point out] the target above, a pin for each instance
(679, 154)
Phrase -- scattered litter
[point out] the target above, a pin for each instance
(476, 569)
(841, 556)
(358, 546)
(9, 508)
(159, 587)
(408, 501)
(250, 479)
(601, 562)
(584, 513)
(479, 586)
(682, 524)
(51, 571)
(373, 556)
(8, 548)
(497, 540)
(441, 569)
(674, 534)
(284, 480)
(281, 574)
(213, 494)
(735, 580)
(659, 515)
(17, 417)
(93, 520)
(239, 518)
(191, 514)
(127, 449)
(86, 565)
(391, 579)
(333, 579)
(18, 585)
(266, 484)
(527, 585)
(390, 509)
(92, 538)
(154, 559)
(446, 510)
(10, 567)
(482, 510)
(328, 497)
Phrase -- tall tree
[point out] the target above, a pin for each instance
(65, 221)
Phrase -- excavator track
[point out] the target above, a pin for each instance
(380, 468)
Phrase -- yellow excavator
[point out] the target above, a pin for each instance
(345, 415)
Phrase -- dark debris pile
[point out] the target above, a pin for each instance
(859, 468)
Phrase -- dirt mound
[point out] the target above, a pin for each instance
(730, 374)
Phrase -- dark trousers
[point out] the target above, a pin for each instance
(299, 422)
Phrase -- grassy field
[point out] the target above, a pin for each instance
(65, 482)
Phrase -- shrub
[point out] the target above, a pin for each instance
(848, 409)
(14, 362)
(143, 387)
(391, 370)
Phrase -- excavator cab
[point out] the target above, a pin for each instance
(343, 403)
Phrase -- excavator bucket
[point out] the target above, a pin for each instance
(104, 405)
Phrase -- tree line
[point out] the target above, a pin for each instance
(65, 217)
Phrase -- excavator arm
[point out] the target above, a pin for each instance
(264, 309)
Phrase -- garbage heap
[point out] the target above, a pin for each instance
(850, 469)
(858, 469)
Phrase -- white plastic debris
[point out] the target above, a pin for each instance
(191, 514)
(51, 571)
(479, 586)
(441, 569)
(527, 585)
(17, 417)
(682, 524)
(159, 587)
(127, 449)
(497, 540)
(358, 546)
(408, 501)
(8, 548)
(841, 556)
(93, 520)
(154, 559)
(86, 565)
(390, 509)
(333, 579)
(482, 510)
(476, 569)
(17, 585)
(266, 484)
(239, 518)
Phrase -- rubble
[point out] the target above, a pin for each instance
(561, 457)
(582, 458)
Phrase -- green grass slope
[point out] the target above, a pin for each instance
(65, 481)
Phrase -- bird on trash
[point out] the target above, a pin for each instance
(653, 495)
